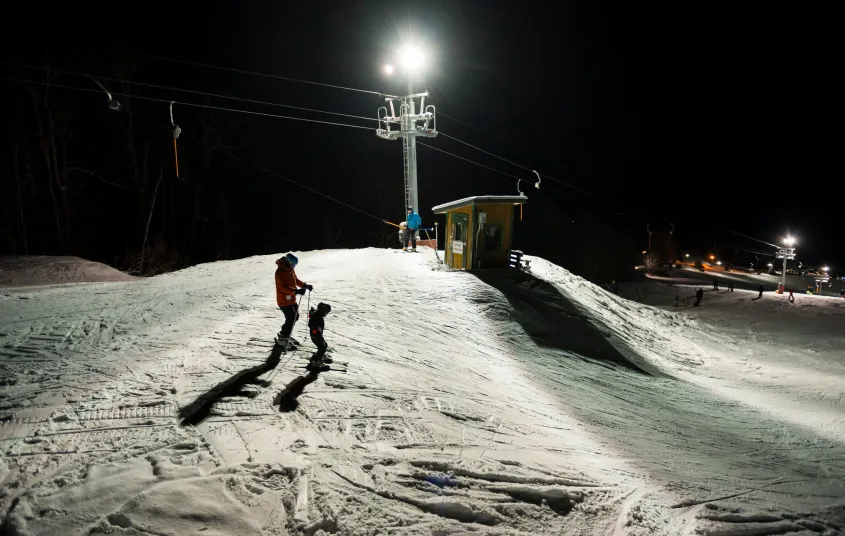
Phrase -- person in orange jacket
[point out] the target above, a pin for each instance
(286, 292)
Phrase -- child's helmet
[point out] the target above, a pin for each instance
(291, 258)
(324, 308)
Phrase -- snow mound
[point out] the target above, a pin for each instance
(46, 270)
(491, 403)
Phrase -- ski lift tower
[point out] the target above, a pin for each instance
(821, 279)
(785, 253)
(409, 123)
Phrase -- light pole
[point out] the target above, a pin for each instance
(411, 122)
(785, 253)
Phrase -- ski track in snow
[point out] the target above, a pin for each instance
(504, 403)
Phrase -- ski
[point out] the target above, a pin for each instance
(329, 354)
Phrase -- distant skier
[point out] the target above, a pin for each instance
(715, 284)
(761, 289)
(316, 325)
(286, 292)
(842, 293)
(730, 286)
(791, 297)
(414, 221)
(699, 294)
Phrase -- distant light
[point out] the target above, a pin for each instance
(719, 263)
(712, 257)
(644, 252)
(686, 255)
(387, 69)
(411, 57)
(789, 241)
(770, 265)
(824, 269)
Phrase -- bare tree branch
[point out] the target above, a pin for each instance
(68, 170)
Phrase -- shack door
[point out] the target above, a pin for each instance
(458, 234)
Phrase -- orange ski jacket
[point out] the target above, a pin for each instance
(286, 283)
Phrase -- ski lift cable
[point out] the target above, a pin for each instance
(500, 172)
(266, 75)
(182, 90)
(191, 104)
(523, 167)
(745, 235)
(279, 175)
(763, 253)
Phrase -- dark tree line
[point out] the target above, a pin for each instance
(79, 178)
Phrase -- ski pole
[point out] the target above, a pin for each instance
(309, 312)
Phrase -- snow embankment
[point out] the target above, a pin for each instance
(502, 403)
(46, 270)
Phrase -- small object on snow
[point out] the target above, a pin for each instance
(324, 368)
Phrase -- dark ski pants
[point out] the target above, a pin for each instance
(411, 236)
(291, 313)
(321, 345)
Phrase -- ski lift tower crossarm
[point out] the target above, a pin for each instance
(411, 124)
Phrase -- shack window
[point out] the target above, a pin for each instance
(458, 230)
(493, 237)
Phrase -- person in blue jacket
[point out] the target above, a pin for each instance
(414, 221)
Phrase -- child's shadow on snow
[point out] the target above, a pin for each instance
(287, 398)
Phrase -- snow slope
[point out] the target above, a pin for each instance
(498, 403)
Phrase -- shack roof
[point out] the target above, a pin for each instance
(481, 200)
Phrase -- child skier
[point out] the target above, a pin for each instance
(316, 325)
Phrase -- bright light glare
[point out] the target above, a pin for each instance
(789, 241)
(712, 257)
(686, 255)
(770, 265)
(825, 269)
(411, 57)
(719, 263)
(388, 69)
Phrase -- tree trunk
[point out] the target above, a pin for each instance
(149, 219)
(48, 162)
(65, 231)
(20, 204)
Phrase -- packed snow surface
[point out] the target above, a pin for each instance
(497, 403)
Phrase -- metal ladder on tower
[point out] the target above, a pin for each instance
(408, 201)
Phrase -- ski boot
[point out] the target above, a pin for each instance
(318, 363)
(286, 342)
(315, 364)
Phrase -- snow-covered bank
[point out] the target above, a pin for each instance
(499, 404)
(46, 270)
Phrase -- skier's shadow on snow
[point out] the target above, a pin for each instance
(554, 320)
(287, 398)
(199, 409)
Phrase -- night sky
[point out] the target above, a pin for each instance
(709, 117)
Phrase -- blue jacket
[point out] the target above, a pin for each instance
(414, 221)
